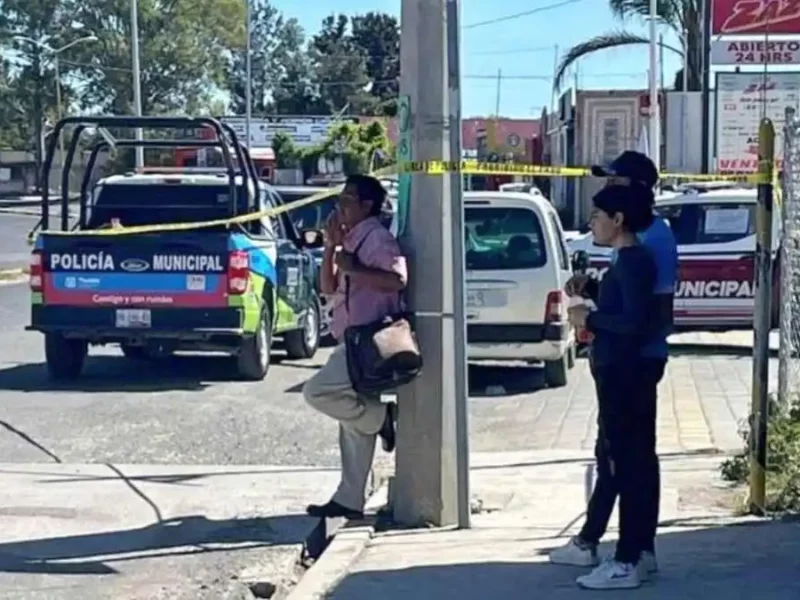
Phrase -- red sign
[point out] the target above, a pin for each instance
(755, 16)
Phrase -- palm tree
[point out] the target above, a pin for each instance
(684, 17)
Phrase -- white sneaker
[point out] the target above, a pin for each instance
(611, 575)
(575, 553)
(648, 566)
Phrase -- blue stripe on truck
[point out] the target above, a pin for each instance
(136, 282)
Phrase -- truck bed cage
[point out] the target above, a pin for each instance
(235, 156)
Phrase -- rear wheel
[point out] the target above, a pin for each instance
(303, 343)
(65, 357)
(555, 371)
(254, 353)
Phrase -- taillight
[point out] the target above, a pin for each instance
(553, 306)
(35, 272)
(238, 272)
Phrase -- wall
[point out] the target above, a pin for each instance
(606, 124)
(684, 142)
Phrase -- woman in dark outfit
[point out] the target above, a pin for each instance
(620, 327)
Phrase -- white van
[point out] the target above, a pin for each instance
(517, 266)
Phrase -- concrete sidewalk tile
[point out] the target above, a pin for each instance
(504, 555)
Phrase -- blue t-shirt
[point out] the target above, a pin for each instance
(659, 239)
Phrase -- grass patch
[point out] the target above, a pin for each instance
(783, 458)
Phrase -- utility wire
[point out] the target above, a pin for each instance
(524, 13)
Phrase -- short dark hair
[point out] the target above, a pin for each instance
(369, 189)
(637, 214)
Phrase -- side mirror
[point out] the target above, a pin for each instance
(580, 261)
(313, 238)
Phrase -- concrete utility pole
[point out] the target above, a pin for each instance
(431, 483)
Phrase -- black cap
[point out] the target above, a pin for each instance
(634, 165)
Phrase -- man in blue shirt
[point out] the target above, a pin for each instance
(637, 171)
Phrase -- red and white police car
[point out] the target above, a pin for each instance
(715, 228)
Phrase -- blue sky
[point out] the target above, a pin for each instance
(520, 47)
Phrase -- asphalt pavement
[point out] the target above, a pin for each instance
(161, 420)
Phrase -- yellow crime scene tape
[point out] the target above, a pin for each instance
(474, 167)
(435, 167)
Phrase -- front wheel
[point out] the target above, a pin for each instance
(304, 342)
(65, 357)
(254, 352)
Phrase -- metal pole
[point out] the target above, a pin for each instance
(426, 489)
(58, 108)
(137, 82)
(761, 322)
(655, 112)
(706, 99)
(788, 233)
(248, 93)
(456, 259)
(684, 98)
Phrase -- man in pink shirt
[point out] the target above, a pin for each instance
(366, 276)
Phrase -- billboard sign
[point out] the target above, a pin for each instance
(755, 52)
(304, 131)
(755, 16)
(743, 99)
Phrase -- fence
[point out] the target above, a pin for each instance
(789, 263)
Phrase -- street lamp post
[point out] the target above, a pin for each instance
(137, 82)
(248, 94)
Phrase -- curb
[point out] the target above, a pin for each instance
(333, 565)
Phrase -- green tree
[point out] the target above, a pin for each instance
(184, 50)
(679, 15)
(29, 30)
(377, 36)
(340, 69)
(355, 143)
(280, 68)
(287, 155)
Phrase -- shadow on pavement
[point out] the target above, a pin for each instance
(732, 562)
(184, 535)
(111, 373)
(492, 380)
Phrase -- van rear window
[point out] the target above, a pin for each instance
(503, 239)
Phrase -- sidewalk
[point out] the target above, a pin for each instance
(533, 503)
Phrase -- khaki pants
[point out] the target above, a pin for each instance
(360, 419)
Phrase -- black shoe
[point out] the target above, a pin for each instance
(332, 510)
(387, 432)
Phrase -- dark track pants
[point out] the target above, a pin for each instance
(627, 463)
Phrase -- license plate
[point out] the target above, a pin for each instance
(474, 299)
(133, 318)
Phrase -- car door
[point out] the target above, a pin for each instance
(291, 291)
(716, 249)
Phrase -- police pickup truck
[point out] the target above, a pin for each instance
(229, 287)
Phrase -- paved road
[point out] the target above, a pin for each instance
(15, 224)
(189, 411)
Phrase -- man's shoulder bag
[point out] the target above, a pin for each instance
(381, 355)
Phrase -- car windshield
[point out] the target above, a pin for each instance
(503, 239)
(146, 204)
(312, 216)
